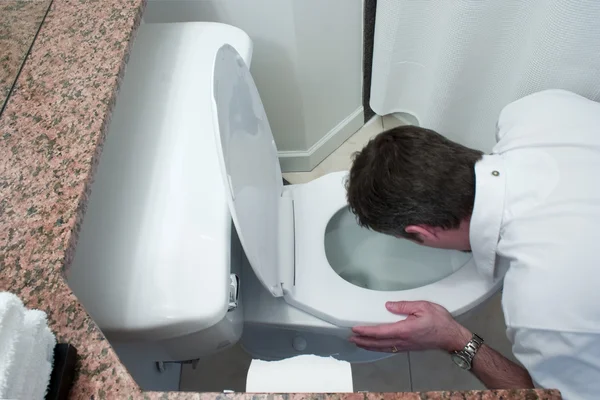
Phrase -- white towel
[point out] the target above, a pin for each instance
(26, 350)
(11, 321)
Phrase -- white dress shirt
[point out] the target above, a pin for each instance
(537, 219)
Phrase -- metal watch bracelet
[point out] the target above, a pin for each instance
(464, 358)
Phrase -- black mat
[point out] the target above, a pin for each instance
(63, 372)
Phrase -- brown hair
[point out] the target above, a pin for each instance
(412, 176)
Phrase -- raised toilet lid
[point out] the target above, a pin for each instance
(249, 164)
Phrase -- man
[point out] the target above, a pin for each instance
(531, 210)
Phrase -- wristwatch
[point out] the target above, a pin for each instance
(464, 357)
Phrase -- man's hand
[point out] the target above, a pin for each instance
(427, 326)
(430, 326)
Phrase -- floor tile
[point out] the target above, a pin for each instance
(357, 141)
(143, 369)
(223, 371)
(389, 375)
(297, 178)
(398, 119)
(489, 324)
(341, 158)
(434, 370)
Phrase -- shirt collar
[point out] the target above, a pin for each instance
(484, 231)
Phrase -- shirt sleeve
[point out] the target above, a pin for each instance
(569, 362)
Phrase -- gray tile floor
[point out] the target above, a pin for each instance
(222, 371)
(418, 371)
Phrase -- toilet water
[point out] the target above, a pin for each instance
(381, 262)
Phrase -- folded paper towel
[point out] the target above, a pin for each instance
(301, 374)
(26, 350)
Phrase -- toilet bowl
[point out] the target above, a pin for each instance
(189, 151)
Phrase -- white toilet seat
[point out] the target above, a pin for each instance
(283, 233)
(318, 289)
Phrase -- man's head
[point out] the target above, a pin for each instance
(413, 183)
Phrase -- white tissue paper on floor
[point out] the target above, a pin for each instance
(301, 374)
(26, 350)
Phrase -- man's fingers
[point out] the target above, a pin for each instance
(377, 349)
(389, 331)
(385, 331)
(375, 343)
(404, 307)
(397, 330)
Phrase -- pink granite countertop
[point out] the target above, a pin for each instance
(51, 135)
(19, 22)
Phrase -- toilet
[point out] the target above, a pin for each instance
(191, 242)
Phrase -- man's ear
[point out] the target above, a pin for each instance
(424, 232)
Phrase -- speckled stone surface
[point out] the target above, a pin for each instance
(51, 134)
(50, 137)
(19, 22)
(468, 395)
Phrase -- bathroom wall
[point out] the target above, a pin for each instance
(307, 65)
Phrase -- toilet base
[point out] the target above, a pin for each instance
(275, 330)
(273, 344)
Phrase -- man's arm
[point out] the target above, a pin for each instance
(430, 326)
(493, 369)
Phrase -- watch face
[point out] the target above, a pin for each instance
(461, 361)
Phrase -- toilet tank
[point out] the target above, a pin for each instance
(155, 262)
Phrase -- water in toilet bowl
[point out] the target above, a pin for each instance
(381, 262)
